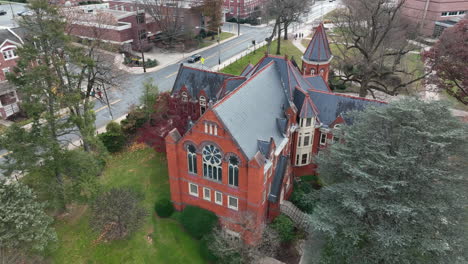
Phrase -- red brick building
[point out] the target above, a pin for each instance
(11, 39)
(242, 8)
(111, 25)
(430, 13)
(252, 134)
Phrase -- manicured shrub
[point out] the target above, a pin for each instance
(197, 221)
(164, 208)
(113, 127)
(285, 228)
(113, 139)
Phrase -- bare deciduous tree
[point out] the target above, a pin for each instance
(169, 17)
(285, 12)
(372, 40)
(230, 249)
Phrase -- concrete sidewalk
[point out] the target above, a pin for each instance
(163, 57)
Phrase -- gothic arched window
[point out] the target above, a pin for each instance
(191, 159)
(212, 160)
(233, 171)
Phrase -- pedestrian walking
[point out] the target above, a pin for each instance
(99, 93)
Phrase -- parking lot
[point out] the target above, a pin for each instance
(8, 19)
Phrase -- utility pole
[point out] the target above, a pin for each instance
(139, 34)
(219, 48)
(238, 17)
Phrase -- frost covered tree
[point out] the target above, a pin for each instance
(24, 226)
(395, 187)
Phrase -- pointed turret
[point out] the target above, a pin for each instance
(317, 57)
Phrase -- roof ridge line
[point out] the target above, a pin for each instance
(203, 70)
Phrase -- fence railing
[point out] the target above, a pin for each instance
(299, 218)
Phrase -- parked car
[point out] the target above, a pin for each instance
(2, 12)
(194, 58)
(23, 13)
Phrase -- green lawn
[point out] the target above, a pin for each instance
(287, 47)
(144, 171)
(208, 41)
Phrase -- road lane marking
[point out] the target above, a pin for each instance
(172, 74)
(6, 154)
(104, 107)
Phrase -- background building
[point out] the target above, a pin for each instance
(426, 13)
(242, 8)
(10, 39)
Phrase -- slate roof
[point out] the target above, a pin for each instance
(278, 179)
(7, 34)
(263, 147)
(250, 112)
(247, 70)
(197, 80)
(318, 49)
(318, 83)
(331, 105)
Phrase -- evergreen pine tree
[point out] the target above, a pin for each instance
(24, 226)
(395, 187)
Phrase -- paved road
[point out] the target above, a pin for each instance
(8, 19)
(128, 94)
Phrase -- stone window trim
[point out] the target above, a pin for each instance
(9, 54)
(212, 158)
(209, 142)
(228, 155)
(191, 190)
(206, 194)
(220, 195)
(233, 171)
(192, 159)
(232, 206)
(187, 143)
(323, 139)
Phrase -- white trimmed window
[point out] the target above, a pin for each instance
(233, 203)
(307, 139)
(309, 122)
(323, 139)
(212, 161)
(202, 105)
(206, 194)
(184, 97)
(9, 54)
(218, 198)
(211, 129)
(193, 189)
(192, 159)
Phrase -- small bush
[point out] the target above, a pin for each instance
(285, 228)
(135, 119)
(114, 128)
(197, 221)
(151, 63)
(164, 208)
(114, 140)
(304, 196)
